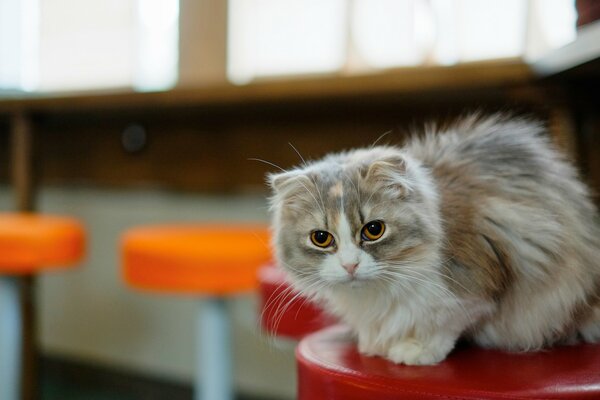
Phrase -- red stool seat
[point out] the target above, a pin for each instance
(30, 243)
(283, 313)
(329, 367)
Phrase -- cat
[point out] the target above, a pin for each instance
(482, 231)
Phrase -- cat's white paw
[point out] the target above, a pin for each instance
(413, 352)
(590, 330)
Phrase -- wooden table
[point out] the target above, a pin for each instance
(216, 129)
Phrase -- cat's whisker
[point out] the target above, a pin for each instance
(392, 282)
(368, 202)
(272, 302)
(432, 287)
(425, 280)
(416, 264)
(383, 277)
(297, 152)
(354, 186)
(384, 134)
(448, 277)
(280, 299)
(267, 162)
(305, 210)
(395, 280)
(320, 196)
(301, 272)
(307, 299)
(284, 170)
(262, 242)
(280, 302)
(419, 267)
(319, 206)
(282, 310)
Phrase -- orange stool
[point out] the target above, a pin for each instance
(29, 244)
(215, 261)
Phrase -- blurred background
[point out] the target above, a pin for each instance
(145, 111)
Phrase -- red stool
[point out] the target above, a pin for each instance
(330, 367)
(29, 244)
(282, 312)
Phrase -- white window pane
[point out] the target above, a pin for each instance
(551, 25)
(157, 38)
(278, 37)
(86, 44)
(18, 44)
(490, 29)
(558, 21)
(392, 32)
(10, 45)
(446, 14)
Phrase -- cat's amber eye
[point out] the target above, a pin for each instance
(321, 238)
(373, 230)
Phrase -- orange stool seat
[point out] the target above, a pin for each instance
(30, 243)
(215, 259)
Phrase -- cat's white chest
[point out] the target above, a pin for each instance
(382, 321)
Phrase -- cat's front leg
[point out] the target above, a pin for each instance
(369, 345)
(371, 349)
(418, 351)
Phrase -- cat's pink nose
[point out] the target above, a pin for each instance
(350, 268)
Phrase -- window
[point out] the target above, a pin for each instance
(288, 37)
(58, 45)
(18, 44)
(281, 37)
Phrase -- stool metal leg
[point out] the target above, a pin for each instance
(10, 339)
(214, 376)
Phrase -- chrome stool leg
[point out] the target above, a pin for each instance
(214, 374)
(10, 339)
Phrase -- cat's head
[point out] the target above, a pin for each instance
(354, 220)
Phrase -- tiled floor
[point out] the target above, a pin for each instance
(63, 379)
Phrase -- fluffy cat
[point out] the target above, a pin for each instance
(483, 231)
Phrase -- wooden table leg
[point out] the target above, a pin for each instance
(22, 180)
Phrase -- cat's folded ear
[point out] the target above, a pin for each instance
(283, 182)
(390, 173)
(293, 189)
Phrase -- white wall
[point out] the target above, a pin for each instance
(89, 314)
